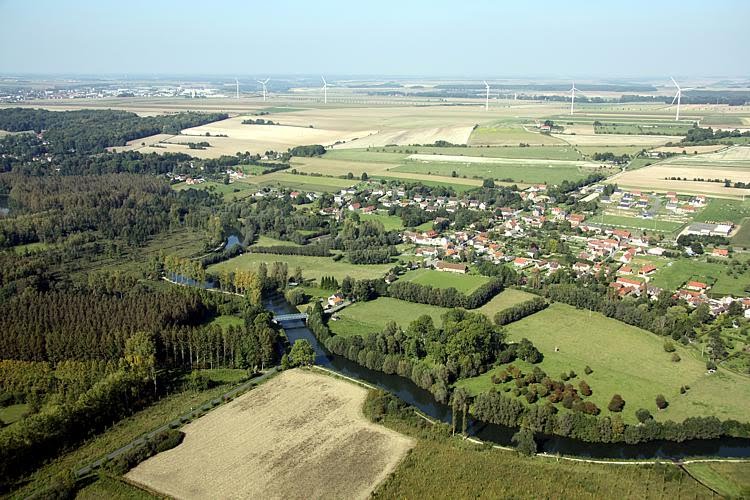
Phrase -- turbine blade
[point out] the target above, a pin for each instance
(675, 83)
(675, 98)
(324, 80)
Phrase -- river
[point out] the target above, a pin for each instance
(421, 399)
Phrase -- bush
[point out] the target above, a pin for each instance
(585, 389)
(524, 441)
(588, 370)
(160, 442)
(675, 357)
(669, 346)
(616, 404)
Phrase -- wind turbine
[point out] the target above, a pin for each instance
(678, 98)
(572, 96)
(237, 82)
(487, 100)
(264, 82)
(325, 91)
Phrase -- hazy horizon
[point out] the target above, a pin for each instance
(639, 40)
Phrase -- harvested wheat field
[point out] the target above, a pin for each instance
(299, 435)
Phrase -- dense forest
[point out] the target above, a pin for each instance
(90, 131)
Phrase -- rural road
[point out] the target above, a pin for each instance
(87, 469)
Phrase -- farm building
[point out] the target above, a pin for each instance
(451, 268)
(706, 229)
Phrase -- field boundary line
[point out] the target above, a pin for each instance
(339, 375)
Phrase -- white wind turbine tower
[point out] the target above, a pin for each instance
(572, 96)
(487, 100)
(237, 82)
(678, 98)
(264, 82)
(325, 91)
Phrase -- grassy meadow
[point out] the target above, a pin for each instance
(625, 360)
(505, 299)
(464, 283)
(368, 317)
(674, 274)
(312, 267)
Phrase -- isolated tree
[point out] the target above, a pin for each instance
(617, 403)
(643, 415)
(661, 402)
(584, 387)
(524, 441)
(364, 176)
(302, 353)
(460, 401)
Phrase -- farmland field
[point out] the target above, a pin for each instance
(651, 128)
(625, 360)
(518, 170)
(464, 283)
(731, 163)
(312, 267)
(503, 134)
(390, 222)
(616, 140)
(742, 238)
(299, 432)
(549, 152)
(372, 316)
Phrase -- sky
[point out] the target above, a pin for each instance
(490, 39)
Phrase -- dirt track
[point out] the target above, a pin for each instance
(300, 435)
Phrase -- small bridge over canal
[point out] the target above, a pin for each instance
(281, 318)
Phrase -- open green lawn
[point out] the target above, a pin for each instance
(31, 248)
(231, 192)
(730, 479)
(628, 361)
(390, 222)
(465, 283)
(672, 276)
(112, 488)
(225, 321)
(312, 267)
(505, 299)
(719, 210)
(625, 221)
(301, 182)
(368, 317)
(13, 413)
(265, 241)
(525, 173)
(742, 238)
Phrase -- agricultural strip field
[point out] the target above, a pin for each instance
(464, 283)
(299, 432)
(625, 360)
(680, 271)
(616, 140)
(371, 317)
(312, 267)
(550, 152)
(732, 163)
(509, 170)
(504, 134)
(742, 238)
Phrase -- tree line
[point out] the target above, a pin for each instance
(520, 311)
(445, 297)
